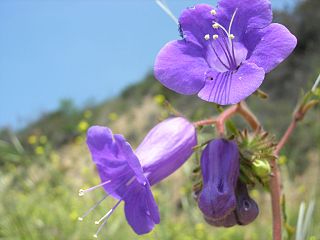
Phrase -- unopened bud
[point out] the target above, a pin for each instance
(261, 168)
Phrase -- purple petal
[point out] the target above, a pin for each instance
(166, 147)
(247, 209)
(141, 209)
(268, 47)
(229, 221)
(196, 22)
(219, 64)
(250, 14)
(114, 159)
(220, 171)
(180, 66)
(232, 87)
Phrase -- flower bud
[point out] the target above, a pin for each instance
(247, 209)
(220, 171)
(261, 168)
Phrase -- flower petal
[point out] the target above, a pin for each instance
(115, 160)
(268, 47)
(233, 86)
(166, 147)
(196, 22)
(220, 171)
(141, 209)
(247, 209)
(180, 66)
(228, 221)
(250, 14)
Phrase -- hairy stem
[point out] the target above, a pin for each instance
(275, 181)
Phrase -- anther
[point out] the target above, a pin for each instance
(215, 36)
(81, 192)
(207, 37)
(213, 12)
(80, 219)
(216, 25)
(231, 36)
(95, 236)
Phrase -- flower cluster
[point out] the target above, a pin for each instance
(224, 199)
(223, 57)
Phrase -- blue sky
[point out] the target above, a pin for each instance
(86, 49)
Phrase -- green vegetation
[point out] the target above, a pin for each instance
(43, 166)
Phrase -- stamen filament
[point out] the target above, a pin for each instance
(226, 52)
(100, 227)
(231, 36)
(82, 191)
(220, 26)
(108, 214)
(231, 22)
(92, 208)
(130, 181)
(219, 57)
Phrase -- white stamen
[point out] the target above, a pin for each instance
(108, 214)
(207, 37)
(231, 22)
(213, 12)
(92, 208)
(82, 192)
(216, 25)
(215, 36)
(220, 26)
(105, 218)
(231, 36)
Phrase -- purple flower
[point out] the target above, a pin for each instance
(246, 210)
(127, 175)
(226, 52)
(220, 171)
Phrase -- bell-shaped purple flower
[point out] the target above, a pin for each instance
(127, 175)
(220, 171)
(225, 52)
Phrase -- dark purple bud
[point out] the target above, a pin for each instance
(220, 171)
(247, 209)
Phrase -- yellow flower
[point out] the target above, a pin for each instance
(159, 99)
(83, 126)
(39, 150)
(32, 139)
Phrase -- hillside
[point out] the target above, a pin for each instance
(43, 165)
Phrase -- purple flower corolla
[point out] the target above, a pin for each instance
(225, 52)
(246, 210)
(127, 175)
(220, 171)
